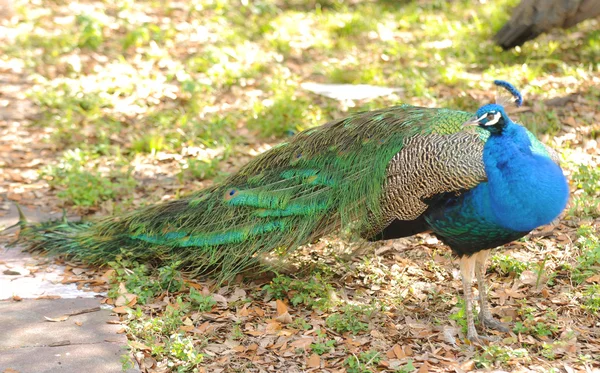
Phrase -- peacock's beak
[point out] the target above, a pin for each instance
(475, 121)
(471, 122)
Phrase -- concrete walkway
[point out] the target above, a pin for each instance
(80, 339)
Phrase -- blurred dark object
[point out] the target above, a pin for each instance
(534, 17)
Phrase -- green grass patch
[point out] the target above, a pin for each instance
(588, 260)
(285, 113)
(315, 292)
(162, 336)
(460, 315)
(201, 302)
(322, 344)
(364, 362)
(146, 283)
(591, 297)
(586, 200)
(507, 265)
(534, 325)
(83, 187)
(352, 319)
(496, 355)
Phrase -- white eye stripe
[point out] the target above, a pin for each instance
(481, 118)
(494, 120)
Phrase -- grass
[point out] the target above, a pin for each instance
(162, 336)
(531, 323)
(586, 202)
(592, 299)
(323, 344)
(507, 265)
(460, 315)
(313, 293)
(495, 355)
(202, 302)
(86, 187)
(91, 106)
(588, 260)
(363, 362)
(351, 319)
(147, 284)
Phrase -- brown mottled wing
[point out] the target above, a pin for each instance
(426, 166)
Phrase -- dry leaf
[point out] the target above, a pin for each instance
(254, 333)
(377, 334)
(314, 361)
(139, 345)
(10, 370)
(273, 327)
(78, 323)
(284, 318)
(148, 362)
(78, 271)
(125, 298)
(281, 307)
(48, 297)
(238, 294)
(424, 368)
(398, 352)
(244, 311)
(57, 319)
(239, 348)
(302, 343)
(121, 309)
(259, 312)
(17, 298)
(468, 365)
(570, 121)
(594, 278)
(193, 285)
(186, 328)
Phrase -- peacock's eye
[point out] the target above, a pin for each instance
(490, 116)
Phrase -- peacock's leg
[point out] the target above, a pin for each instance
(467, 267)
(485, 316)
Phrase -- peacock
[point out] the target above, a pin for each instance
(476, 182)
(532, 18)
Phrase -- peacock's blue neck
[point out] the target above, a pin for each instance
(526, 190)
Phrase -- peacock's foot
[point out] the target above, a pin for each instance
(475, 338)
(490, 322)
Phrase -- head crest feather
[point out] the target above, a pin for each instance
(516, 95)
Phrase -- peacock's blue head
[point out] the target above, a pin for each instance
(492, 117)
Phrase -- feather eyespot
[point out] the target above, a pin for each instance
(297, 157)
(230, 194)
